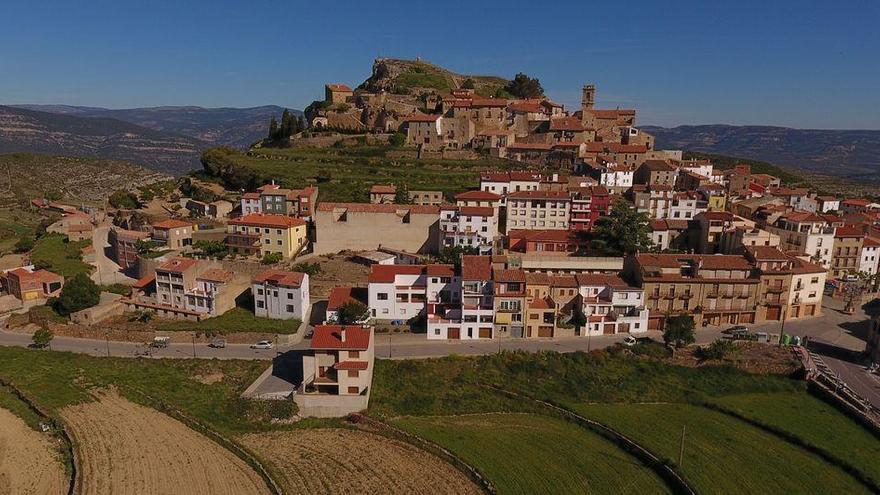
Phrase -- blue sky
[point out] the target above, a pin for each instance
(806, 64)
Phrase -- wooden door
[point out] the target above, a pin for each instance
(774, 313)
(545, 331)
(485, 333)
(454, 333)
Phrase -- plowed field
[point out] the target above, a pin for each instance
(28, 462)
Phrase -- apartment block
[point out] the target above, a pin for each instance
(258, 234)
(611, 305)
(469, 226)
(280, 294)
(805, 233)
(588, 204)
(714, 289)
(124, 245)
(510, 302)
(538, 210)
(846, 253)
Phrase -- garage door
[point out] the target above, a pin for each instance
(545, 331)
(811, 310)
(485, 333)
(654, 324)
(609, 329)
(774, 312)
(454, 333)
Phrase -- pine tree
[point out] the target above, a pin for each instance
(273, 129)
(623, 231)
(286, 124)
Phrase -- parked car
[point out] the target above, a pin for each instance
(629, 341)
(160, 342)
(263, 344)
(218, 343)
(737, 330)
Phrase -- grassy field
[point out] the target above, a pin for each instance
(60, 256)
(234, 320)
(206, 389)
(814, 421)
(16, 223)
(11, 402)
(723, 454)
(346, 174)
(527, 453)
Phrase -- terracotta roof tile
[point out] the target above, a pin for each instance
(330, 337)
(281, 277)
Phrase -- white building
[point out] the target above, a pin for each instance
(477, 298)
(504, 183)
(468, 226)
(281, 295)
(805, 233)
(869, 256)
(699, 167)
(610, 305)
(827, 203)
(397, 292)
(201, 297)
(251, 203)
(684, 206)
(538, 210)
(444, 303)
(807, 287)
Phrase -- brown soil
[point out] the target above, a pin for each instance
(336, 270)
(119, 329)
(28, 460)
(209, 378)
(354, 462)
(126, 448)
(749, 356)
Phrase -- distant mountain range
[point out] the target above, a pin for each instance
(238, 127)
(167, 139)
(851, 154)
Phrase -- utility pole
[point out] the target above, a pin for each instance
(681, 447)
(194, 344)
(389, 343)
(782, 328)
(107, 340)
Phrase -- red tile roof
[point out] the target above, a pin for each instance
(572, 124)
(489, 102)
(339, 87)
(215, 275)
(385, 274)
(274, 221)
(177, 264)
(171, 223)
(340, 296)
(420, 117)
(848, 231)
(543, 235)
(478, 196)
(144, 282)
(329, 337)
(440, 270)
(539, 195)
(383, 189)
(476, 267)
(281, 277)
(508, 275)
(530, 146)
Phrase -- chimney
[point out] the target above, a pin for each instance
(342, 334)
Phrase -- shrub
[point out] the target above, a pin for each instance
(124, 200)
(42, 337)
(717, 350)
(271, 258)
(679, 331)
(25, 244)
(78, 293)
(350, 312)
(311, 269)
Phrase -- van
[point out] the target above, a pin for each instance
(160, 342)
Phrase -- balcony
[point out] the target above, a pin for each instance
(777, 289)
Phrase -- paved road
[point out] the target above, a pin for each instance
(832, 327)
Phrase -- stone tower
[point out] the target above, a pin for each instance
(588, 97)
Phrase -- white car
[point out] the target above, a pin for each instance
(629, 341)
(263, 344)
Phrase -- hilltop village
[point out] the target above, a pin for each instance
(619, 238)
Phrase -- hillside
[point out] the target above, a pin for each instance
(237, 127)
(850, 154)
(413, 76)
(24, 176)
(23, 130)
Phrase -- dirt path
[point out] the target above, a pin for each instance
(353, 462)
(28, 463)
(126, 448)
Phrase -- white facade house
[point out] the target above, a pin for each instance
(444, 303)
(611, 306)
(827, 203)
(477, 298)
(468, 226)
(870, 255)
(684, 206)
(397, 292)
(504, 183)
(281, 295)
(805, 233)
(251, 203)
(202, 296)
(807, 288)
(538, 210)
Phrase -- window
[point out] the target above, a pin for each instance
(436, 331)
(354, 354)
(353, 390)
(260, 304)
(382, 296)
(259, 292)
(290, 295)
(290, 308)
(353, 373)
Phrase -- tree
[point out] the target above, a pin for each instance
(397, 139)
(452, 255)
(124, 200)
(213, 249)
(351, 312)
(78, 293)
(524, 86)
(468, 84)
(273, 129)
(679, 331)
(25, 244)
(144, 247)
(286, 125)
(623, 231)
(271, 258)
(401, 194)
(42, 337)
